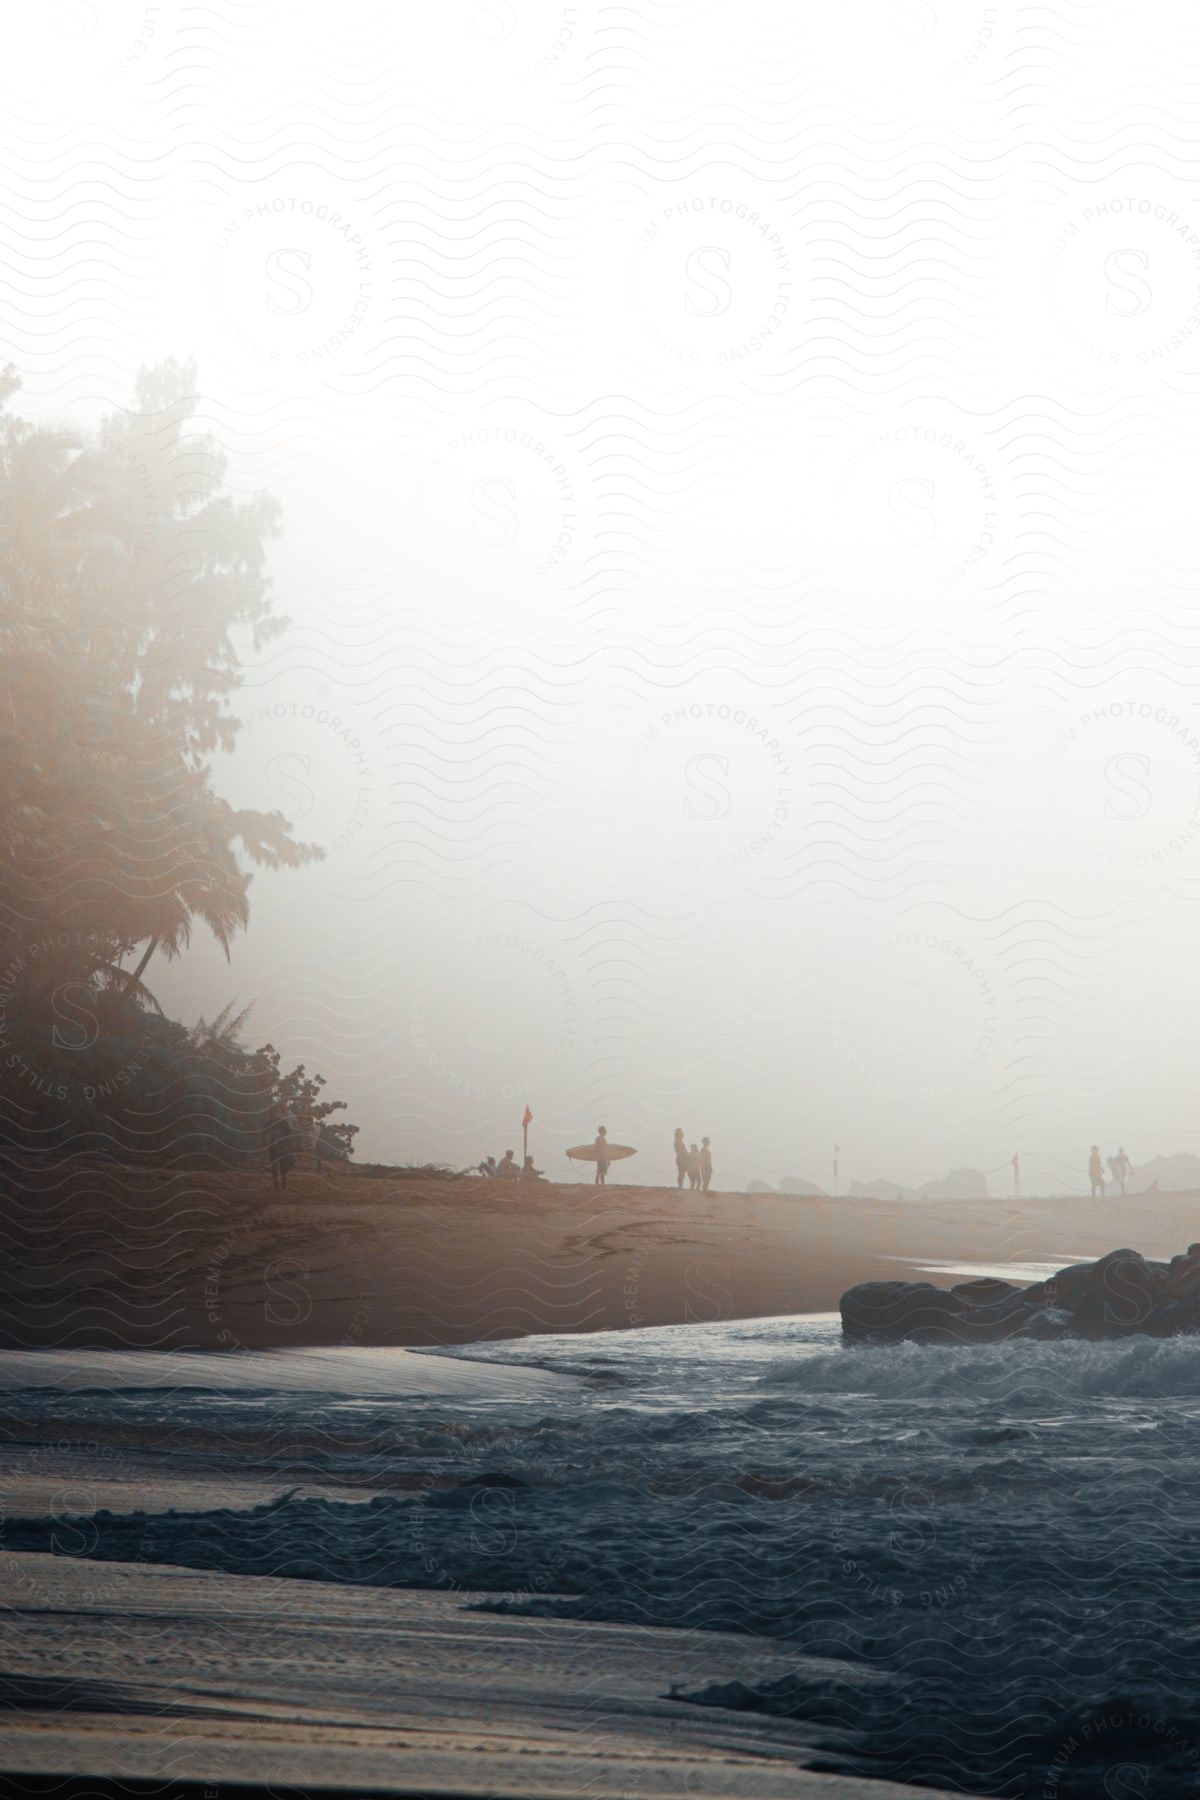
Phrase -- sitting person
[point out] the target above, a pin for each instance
(529, 1173)
(506, 1168)
(488, 1167)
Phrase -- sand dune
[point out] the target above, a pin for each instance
(97, 1255)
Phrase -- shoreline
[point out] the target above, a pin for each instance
(428, 1372)
(398, 1691)
(120, 1259)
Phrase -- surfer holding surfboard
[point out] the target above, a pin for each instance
(602, 1157)
(601, 1152)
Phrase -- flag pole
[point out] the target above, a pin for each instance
(836, 1148)
(524, 1142)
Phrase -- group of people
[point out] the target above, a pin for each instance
(693, 1162)
(1119, 1168)
(507, 1168)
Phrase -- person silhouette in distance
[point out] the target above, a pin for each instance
(600, 1147)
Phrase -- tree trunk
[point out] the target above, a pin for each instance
(151, 947)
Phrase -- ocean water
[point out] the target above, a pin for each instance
(1006, 1539)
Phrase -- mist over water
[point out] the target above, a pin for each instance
(738, 497)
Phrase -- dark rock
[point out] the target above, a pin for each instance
(991, 1324)
(1174, 1318)
(986, 1288)
(1120, 1295)
(895, 1310)
(920, 1313)
(1064, 1289)
(1183, 1277)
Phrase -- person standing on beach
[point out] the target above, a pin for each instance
(1120, 1166)
(601, 1148)
(1096, 1172)
(693, 1166)
(681, 1155)
(309, 1138)
(705, 1165)
(280, 1134)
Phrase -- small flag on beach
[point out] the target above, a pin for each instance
(837, 1149)
(528, 1119)
(1016, 1160)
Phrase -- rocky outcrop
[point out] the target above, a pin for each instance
(1120, 1295)
(959, 1184)
(1178, 1174)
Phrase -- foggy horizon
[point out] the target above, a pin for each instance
(737, 550)
(599, 871)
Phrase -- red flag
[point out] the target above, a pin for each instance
(527, 1120)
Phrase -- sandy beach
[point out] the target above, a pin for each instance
(266, 1566)
(100, 1255)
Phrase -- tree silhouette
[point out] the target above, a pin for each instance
(128, 576)
(125, 571)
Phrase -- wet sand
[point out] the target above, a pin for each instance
(145, 1672)
(97, 1255)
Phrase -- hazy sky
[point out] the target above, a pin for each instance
(739, 471)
